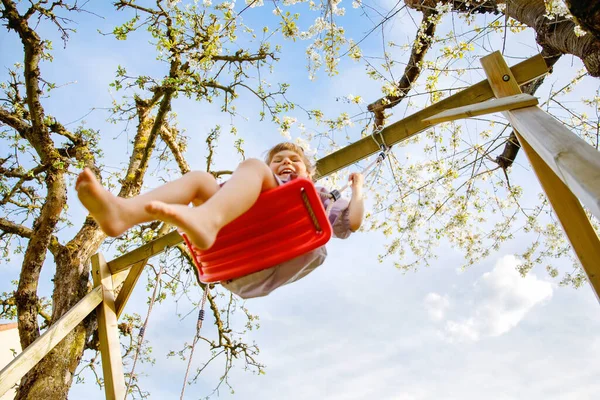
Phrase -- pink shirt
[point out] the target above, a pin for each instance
(263, 282)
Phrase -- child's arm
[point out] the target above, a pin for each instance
(356, 208)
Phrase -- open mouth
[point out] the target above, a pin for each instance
(286, 171)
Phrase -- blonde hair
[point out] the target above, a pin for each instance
(310, 168)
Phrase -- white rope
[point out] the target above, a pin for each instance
(143, 329)
(365, 172)
(198, 327)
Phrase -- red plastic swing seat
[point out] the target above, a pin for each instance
(284, 223)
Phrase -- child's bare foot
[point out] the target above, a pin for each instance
(201, 229)
(102, 205)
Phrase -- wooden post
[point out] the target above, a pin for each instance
(546, 145)
(29, 357)
(110, 348)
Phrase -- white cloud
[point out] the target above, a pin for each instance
(436, 306)
(464, 330)
(504, 299)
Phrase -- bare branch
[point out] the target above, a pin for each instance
(210, 139)
(23, 177)
(12, 228)
(421, 45)
(57, 127)
(169, 136)
(14, 122)
(20, 173)
(124, 4)
(240, 57)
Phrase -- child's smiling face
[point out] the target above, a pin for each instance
(286, 163)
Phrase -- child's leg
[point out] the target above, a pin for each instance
(202, 223)
(115, 214)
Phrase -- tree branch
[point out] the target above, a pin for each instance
(123, 4)
(169, 136)
(586, 14)
(33, 54)
(23, 177)
(240, 57)
(556, 36)
(20, 173)
(12, 228)
(14, 122)
(39, 137)
(421, 45)
(80, 150)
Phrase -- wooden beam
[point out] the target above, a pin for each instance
(29, 357)
(110, 347)
(548, 146)
(145, 252)
(524, 72)
(134, 274)
(486, 107)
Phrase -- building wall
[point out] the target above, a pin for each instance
(9, 339)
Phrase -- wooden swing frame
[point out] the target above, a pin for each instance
(567, 167)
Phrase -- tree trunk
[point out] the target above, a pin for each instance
(557, 37)
(52, 377)
(586, 14)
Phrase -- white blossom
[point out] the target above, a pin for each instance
(255, 3)
(556, 8)
(308, 151)
(579, 32)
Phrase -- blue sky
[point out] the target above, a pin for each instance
(355, 328)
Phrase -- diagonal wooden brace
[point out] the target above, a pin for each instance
(485, 107)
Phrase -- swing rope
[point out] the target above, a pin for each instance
(335, 194)
(196, 338)
(142, 332)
